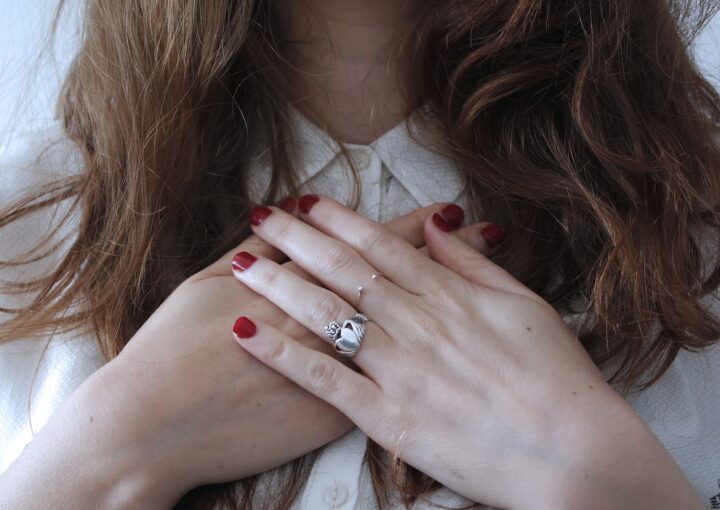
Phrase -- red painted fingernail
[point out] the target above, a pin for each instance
(440, 223)
(453, 216)
(258, 214)
(494, 234)
(288, 205)
(244, 328)
(242, 261)
(307, 201)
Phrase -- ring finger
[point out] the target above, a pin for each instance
(312, 306)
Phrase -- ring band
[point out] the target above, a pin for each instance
(348, 337)
(360, 290)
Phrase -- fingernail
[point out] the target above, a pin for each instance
(307, 201)
(494, 234)
(288, 205)
(244, 328)
(453, 216)
(440, 223)
(258, 214)
(242, 261)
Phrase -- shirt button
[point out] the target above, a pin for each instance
(335, 495)
(362, 157)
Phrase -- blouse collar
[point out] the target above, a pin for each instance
(428, 175)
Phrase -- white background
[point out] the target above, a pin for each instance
(31, 70)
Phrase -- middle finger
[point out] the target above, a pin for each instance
(332, 262)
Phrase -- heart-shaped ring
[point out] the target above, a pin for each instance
(349, 336)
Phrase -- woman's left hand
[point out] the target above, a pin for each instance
(465, 373)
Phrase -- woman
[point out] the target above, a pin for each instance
(527, 361)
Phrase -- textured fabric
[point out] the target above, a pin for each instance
(397, 174)
(25, 405)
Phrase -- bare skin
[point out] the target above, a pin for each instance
(182, 406)
(349, 74)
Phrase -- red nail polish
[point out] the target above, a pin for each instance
(288, 205)
(440, 223)
(242, 261)
(454, 215)
(494, 234)
(306, 203)
(244, 328)
(258, 214)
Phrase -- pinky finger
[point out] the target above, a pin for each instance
(353, 394)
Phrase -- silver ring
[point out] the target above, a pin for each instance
(374, 276)
(348, 337)
(331, 330)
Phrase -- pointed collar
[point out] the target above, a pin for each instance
(406, 151)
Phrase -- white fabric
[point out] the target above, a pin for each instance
(397, 175)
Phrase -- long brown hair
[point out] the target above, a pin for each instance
(583, 126)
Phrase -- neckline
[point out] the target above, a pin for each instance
(324, 134)
(429, 175)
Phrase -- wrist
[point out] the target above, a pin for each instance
(86, 457)
(133, 466)
(604, 455)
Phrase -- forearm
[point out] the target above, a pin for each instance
(619, 463)
(77, 463)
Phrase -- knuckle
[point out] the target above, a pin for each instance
(322, 376)
(438, 291)
(275, 353)
(327, 309)
(444, 295)
(370, 239)
(295, 269)
(267, 278)
(324, 213)
(336, 260)
(450, 294)
(428, 327)
(282, 227)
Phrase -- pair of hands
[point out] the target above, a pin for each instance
(464, 373)
(181, 406)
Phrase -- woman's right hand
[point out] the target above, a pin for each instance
(181, 406)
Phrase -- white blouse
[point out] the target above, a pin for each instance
(397, 174)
